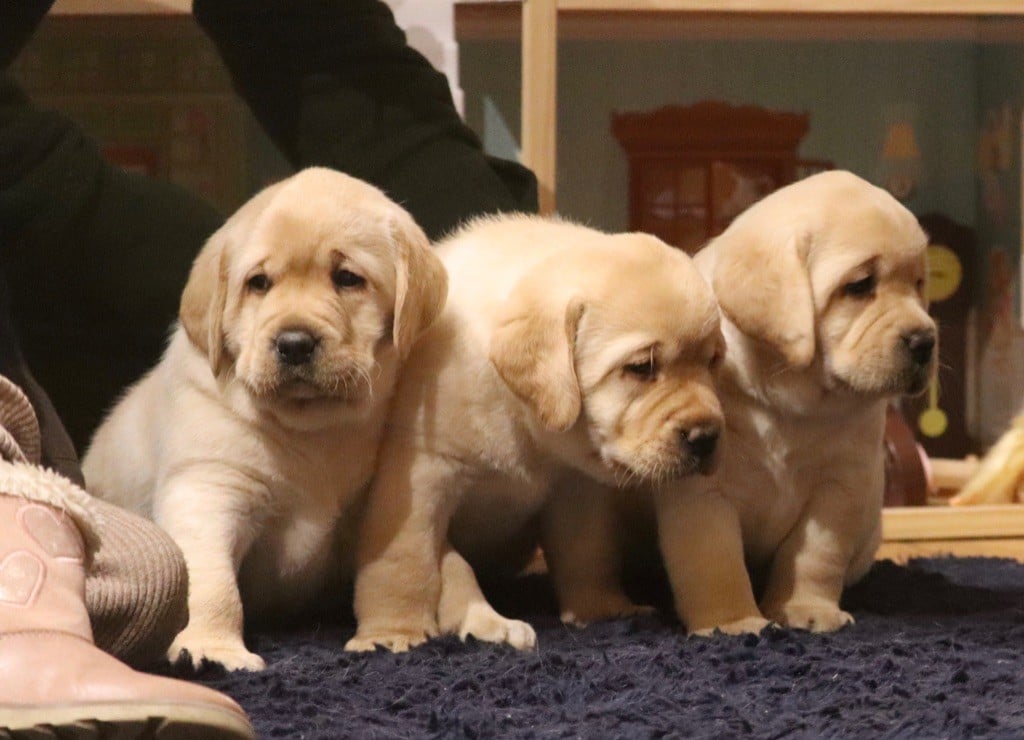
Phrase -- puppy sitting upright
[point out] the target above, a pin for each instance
(566, 361)
(252, 439)
(822, 288)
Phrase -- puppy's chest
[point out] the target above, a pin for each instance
(292, 552)
(308, 495)
(290, 561)
(497, 506)
(316, 489)
(771, 477)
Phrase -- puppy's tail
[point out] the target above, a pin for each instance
(1001, 472)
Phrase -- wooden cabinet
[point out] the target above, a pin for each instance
(692, 169)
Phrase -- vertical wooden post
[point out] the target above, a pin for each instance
(539, 100)
(1020, 174)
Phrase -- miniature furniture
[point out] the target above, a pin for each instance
(692, 169)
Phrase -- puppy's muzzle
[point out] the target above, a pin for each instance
(920, 345)
(699, 443)
(295, 347)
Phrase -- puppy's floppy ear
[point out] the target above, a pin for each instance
(763, 287)
(533, 348)
(201, 311)
(421, 284)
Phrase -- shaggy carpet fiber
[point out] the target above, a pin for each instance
(936, 652)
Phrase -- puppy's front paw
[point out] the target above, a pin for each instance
(396, 642)
(744, 626)
(483, 623)
(812, 616)
(227, 651)
(600, 607)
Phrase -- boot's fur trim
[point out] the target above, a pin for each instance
(45, 486)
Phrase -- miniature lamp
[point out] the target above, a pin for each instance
(901, 161)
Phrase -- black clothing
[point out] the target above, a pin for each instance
(96, 258)
(334, 84)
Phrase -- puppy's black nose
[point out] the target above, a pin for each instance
(921, 345)
(700, 441)
(295, 347)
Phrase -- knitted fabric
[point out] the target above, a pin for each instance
(136, 589)
(19, 429)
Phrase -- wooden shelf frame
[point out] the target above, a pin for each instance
(968, 531)
(888, 7)
(918, 523)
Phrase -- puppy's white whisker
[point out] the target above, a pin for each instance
(364, 375)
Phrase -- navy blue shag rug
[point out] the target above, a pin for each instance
(937, 652)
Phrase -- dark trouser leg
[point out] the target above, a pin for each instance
(334, 84)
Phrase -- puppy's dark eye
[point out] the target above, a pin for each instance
(347, 279)
(863, 288)
(258, 283)
(646, 370)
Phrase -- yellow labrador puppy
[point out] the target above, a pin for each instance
(567, 361)
(822, 290)
(252, 439)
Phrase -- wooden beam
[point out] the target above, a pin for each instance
(887, 7)
(919, 523)
(539, 95)
(901, 552)
(489, 21)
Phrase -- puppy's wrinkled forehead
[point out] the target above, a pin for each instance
(840, 213)
(304, 229)
(649, 293)
(874, 232)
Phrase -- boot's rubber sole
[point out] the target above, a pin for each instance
(124, 721)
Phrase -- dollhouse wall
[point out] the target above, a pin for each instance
(853, 91)
(999, 387)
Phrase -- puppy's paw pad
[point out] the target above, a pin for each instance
(485, 624)
(228, 653)
(744, 626)
(618, 609)
(396, 642)
(813, 617)
(520, 635)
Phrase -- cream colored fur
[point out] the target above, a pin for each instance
(250, 463)
(527, 402)
(812, 358)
